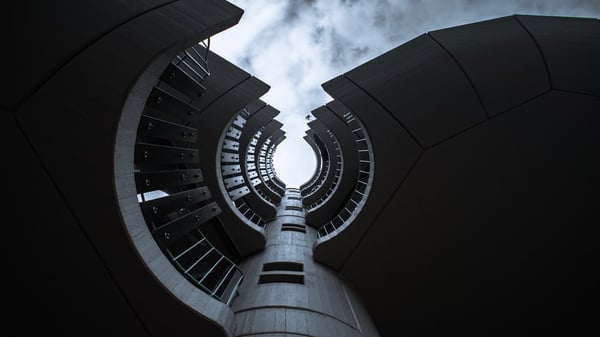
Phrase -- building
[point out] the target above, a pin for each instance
(456, 189)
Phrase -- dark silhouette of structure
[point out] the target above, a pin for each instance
(455, 193)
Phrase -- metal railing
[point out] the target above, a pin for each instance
(339, 162)
(251, 169)
(235, 183)
(207, 267)
(193, 61)
(174, 200)
(359, 195)
(249, 213)
(325, 167)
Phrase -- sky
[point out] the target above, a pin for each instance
(295, 46)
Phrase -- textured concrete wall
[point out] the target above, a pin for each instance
(322, 306)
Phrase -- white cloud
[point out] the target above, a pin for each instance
(295, 46)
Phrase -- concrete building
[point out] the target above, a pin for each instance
(456, 188)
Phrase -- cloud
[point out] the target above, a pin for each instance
(295, 46)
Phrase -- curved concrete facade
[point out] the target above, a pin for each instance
(287, 292)
(478, 221)
(65, 112)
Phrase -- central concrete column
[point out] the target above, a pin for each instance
(286, 292)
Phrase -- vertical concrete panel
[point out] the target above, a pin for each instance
(317, 307)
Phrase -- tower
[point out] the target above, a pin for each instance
(455, 189)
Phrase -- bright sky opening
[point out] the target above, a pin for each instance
(295, 46)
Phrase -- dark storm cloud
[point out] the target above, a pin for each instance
(338, 46)
(294, 9)
(317, 34)
(245, 62)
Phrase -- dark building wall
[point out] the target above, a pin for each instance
(75, 269)
(58, 281)
(485, 225)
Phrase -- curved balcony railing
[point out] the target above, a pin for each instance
(194, 62)
(249, 213)
(257, 163)
(356, 199)
(325, 166)
(231, 170)
(263, 195)
(176, 204)
(271, 168)
(265, 165)
(338, 161)
(319, 167)
(253, 171)
(208, 268)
